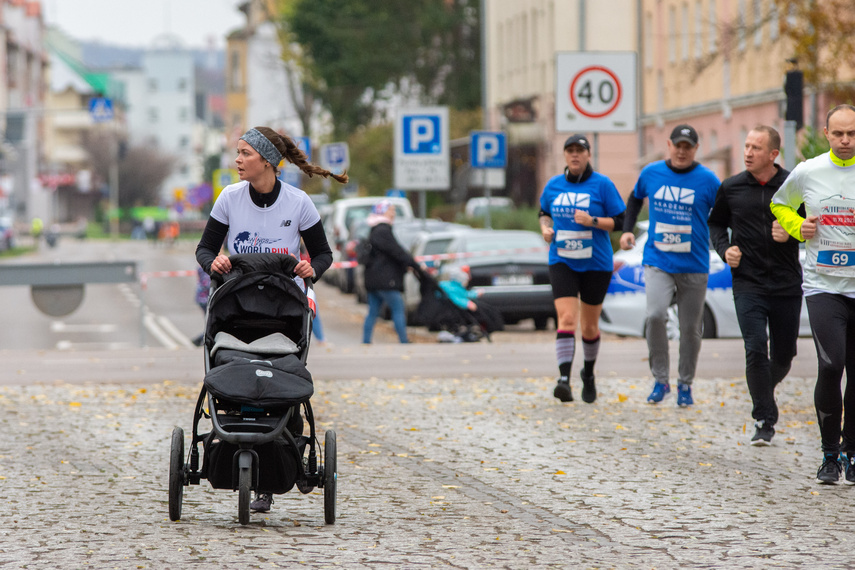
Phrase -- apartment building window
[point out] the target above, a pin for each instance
(672, 35)
(152, 114)
(741, 24)
(684, 33)
(152, 84)
(183, 114)
(182, 84)
(699, 26)
(774, 21)
(758, 23)
(648, 40)
(184, 141)
(713, 28)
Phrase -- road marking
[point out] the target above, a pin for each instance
(173, 331)
(61, 327)
(95, 346)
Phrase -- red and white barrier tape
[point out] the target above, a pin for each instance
(464, 255)
(144, 277)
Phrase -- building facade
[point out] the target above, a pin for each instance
(258, 85)
(22, 98)
(716, 64)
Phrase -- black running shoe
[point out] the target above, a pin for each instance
(763, 433)
(589, 388)
(262, 502)
(829, 471)
(850, 468)
(562, 390)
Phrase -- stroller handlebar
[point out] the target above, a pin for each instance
(243, 263)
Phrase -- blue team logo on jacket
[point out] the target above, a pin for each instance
(675, 194)
(253, 243)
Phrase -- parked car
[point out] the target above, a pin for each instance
(407, 234)
(338, 222)
(477, 207)
(625, 306)
(510, 270)
(426, 243)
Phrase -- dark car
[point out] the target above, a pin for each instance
(508, 268)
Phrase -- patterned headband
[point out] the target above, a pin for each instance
(263, 146)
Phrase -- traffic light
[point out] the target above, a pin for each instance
(794, 87)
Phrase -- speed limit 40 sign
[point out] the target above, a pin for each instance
(595, 92)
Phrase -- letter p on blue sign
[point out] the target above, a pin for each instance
(422, 134)
(487, 149)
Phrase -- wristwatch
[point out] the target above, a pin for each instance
(595, 221)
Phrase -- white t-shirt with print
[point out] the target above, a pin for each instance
(275, 229)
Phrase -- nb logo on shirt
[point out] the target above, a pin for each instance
(573, 199)
(285, 223)
(675, 194)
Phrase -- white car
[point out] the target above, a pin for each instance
(344, 213)
(625, 306)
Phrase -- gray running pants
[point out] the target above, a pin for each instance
(691, 291)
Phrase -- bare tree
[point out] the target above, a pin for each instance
(142, 170)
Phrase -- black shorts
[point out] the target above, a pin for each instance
(589, 286)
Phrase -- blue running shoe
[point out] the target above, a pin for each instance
(659, 392)
(684, 395)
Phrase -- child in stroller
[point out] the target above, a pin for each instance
(257, 331)
(447, 306)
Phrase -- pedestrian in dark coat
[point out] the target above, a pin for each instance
(385, 267)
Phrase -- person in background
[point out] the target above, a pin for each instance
(826, 186)
(203, 289)
(767, 275)
(578, 209)
(260, 213)
(676, 260)
(384, 272)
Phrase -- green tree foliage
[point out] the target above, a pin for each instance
(362, 52)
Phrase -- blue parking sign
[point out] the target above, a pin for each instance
(422, 134)
(487, 149)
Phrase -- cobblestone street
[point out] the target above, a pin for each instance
(458, 472)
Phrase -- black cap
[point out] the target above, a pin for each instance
(684, 133)
(580, 140)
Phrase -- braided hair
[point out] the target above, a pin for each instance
(288, 149)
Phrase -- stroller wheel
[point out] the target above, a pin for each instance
(244, 484)
(330, 477)
(176, 474)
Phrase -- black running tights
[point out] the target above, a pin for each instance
(832, 322)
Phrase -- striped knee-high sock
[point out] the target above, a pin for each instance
(565, 349)
(590, 350)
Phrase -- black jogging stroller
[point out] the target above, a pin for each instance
(257, 330)
(438, 312)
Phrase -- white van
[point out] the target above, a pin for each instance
(337, 224)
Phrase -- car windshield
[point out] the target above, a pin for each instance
(436, 246)
(490, 242)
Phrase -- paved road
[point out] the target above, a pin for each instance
(449, 456)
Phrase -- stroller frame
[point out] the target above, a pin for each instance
(251, 428)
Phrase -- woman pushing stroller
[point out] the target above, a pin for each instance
(261, 214)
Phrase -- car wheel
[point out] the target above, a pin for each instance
(540, 323)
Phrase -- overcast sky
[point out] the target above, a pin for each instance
(137, 23)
